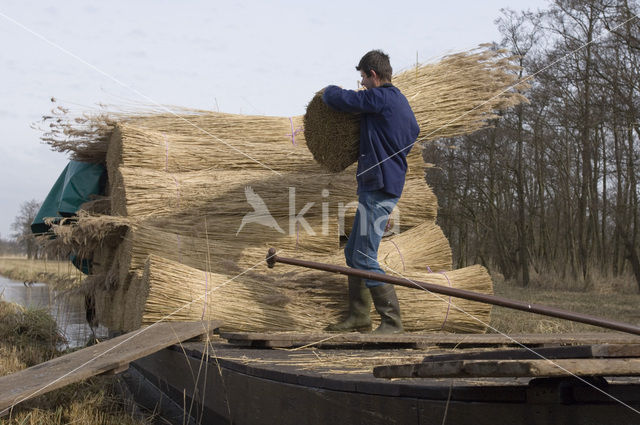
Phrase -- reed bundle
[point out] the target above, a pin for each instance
(87, 232)
(460, 93)
(87, 237)
(417, 204)
(242, 303)
(141, 192)
(455, 96)
(243, 143)
(293, 302)
(182, 139)
(85, 137)
(325, 129)
(423, 245)
(206, 251)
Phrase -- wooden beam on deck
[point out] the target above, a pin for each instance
(413, 340)
(516, 368)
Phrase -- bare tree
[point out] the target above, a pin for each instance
(21, 227)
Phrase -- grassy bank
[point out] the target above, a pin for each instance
(29, 337)
(612, 298)
(59, 275)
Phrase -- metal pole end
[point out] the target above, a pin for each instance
(271, 257)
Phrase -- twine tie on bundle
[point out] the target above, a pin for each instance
(166, 153)
(294, 132)
(448, 302)
(179, 248)
(401, 257)
(177, 189)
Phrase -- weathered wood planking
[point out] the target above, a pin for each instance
(558, 352)
(110, 356)
(515, 368)
(295, 339)
(539, 353)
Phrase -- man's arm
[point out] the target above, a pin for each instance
(362, 101)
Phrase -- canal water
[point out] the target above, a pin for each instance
(68, 311)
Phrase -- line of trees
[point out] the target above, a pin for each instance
(552, 186)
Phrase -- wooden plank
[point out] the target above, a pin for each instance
(516, 368)
(111, 355)
(616, 350)
(293, 339)
(559, 352)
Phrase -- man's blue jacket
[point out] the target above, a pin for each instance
(388, 129)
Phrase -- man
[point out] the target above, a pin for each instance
(388, 129)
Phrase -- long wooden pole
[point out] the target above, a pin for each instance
(272, 258)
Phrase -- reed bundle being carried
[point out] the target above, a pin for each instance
(455, 96)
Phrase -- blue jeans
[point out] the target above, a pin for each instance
(371, 219)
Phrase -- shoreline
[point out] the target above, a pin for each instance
(59, 275)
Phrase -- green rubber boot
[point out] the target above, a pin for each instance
(359, 318)
(386, 302)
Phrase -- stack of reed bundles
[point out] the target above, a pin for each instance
(424, 245)
(300, 301)
(179, 187)
(412, 250)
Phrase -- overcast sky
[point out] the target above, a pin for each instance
(251, 57)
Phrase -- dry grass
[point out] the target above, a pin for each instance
(59, 275)
(609, 303)
(29, 337)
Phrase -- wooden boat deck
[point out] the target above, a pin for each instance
(220, 383)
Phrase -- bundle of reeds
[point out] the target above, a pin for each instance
(243, 142)
(178, 139)
(419, 248)
(200, 247)
(87, 231)
(455, 96)
(417, 204)
(424, 245)
(292, 303)
(325, 128)
(223, 194)
(140, 192)
(85, 137)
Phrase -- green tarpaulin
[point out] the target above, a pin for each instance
(76, 184)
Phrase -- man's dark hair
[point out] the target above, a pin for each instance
(378, 61)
